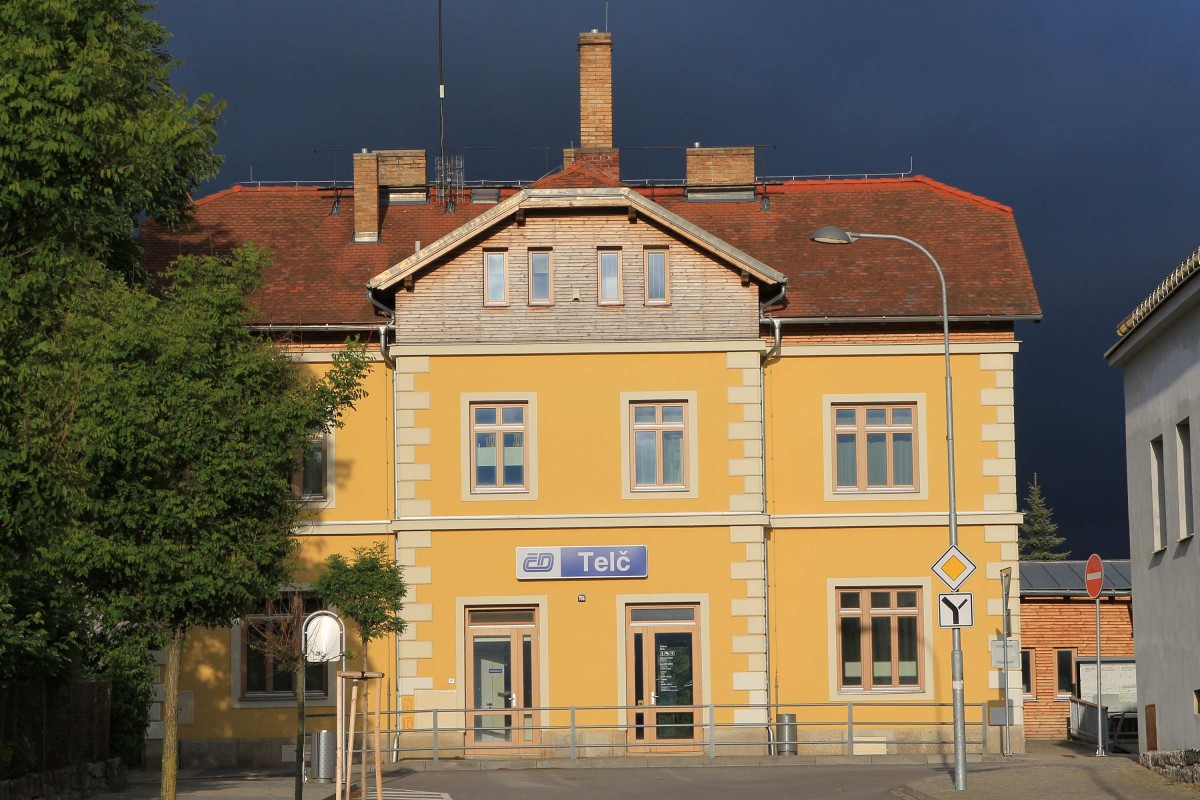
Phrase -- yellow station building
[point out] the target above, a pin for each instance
(657, 466)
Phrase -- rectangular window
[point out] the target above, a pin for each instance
(658, 289)
(1064, 666)
(874, 447)
(1027, 686)
(879, 642)
(1158, 490)
(311, 481)
(658, 435)
(269, 637)
(610, 277)
(1187, 503)
(540, 283)
(498, 453)
(495, 284)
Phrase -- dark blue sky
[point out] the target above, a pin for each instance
(1084, 117)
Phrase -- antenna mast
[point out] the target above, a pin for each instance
(448, 172)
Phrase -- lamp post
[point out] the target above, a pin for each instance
(833, 235)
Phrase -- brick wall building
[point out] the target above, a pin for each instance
(1058, 632)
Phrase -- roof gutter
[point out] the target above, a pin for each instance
(877, 320)
(336, 328)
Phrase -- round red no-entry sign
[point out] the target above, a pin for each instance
(1093, 576)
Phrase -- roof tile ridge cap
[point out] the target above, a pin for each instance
(1156, 298)
(963, 193)
(208, 198)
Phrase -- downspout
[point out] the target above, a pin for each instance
(383, 329)
(766, 543)
(393, 695)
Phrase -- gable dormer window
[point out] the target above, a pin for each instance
(658, 288)
(610, 278)
(540, 281)
(495, 281)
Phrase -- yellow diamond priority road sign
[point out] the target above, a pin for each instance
(954, 567)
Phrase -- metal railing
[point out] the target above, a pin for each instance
(867, 728)
(1120, 725)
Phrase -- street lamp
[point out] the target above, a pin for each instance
(834, 235)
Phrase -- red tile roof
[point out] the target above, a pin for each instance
(974, 240)
(319, 275)
(576, 176)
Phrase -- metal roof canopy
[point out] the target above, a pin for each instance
(1066, 578)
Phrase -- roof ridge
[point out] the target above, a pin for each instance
(1173, 281)
(883, 183)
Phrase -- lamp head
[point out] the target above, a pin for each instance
(831, 234)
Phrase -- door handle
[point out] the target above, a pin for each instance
(510, 699)
(653, 698)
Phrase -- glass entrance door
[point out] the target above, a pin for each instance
(502, 665)
(664, 677)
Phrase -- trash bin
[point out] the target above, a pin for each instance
(324, 756)
(785, 734)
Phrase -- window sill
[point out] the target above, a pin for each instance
(496, 305)
(540, 304)
(657, 304)
(880, 693)
(641, 489)
(1186, 538)
(280, 697)
(499, 491)
(610, 303)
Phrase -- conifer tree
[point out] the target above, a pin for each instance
(1039, 539)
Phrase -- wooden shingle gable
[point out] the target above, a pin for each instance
(577, 199)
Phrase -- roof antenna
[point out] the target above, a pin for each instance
(606, 17)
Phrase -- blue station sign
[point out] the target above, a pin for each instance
(598, 561)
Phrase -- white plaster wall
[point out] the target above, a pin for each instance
(1162, 388)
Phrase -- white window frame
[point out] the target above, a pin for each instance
(600, 298)
(488, 300)
(666, 299)
(469, 399)
(691, 444)
(920, 447)
(549, 254)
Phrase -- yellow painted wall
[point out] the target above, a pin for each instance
(795, 413)
(581, 637)
(579, 424)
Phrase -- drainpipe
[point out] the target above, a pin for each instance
(394, 697)
(762, 403)
(383, 329)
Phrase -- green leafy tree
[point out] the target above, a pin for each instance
(92, 136)
(189, 428)
(370, 590)
(1039, 539)
(92, 139)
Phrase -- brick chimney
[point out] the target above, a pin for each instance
(595, 106)
(725, 172)
(401, 173)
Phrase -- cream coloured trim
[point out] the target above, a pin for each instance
(531, 458)
(898, 349)
(460, 639)
(552, 521)
(693, 440)
(571, 348)
(326, 356)
(354, 528)
(921, 446)
(622, 602)
(892, 519)
(927, 611)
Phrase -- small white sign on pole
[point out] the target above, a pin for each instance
(956, 610)
(1014, 654)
